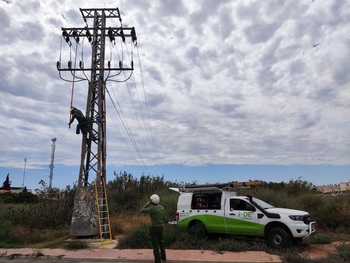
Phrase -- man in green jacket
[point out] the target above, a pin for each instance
(156, 212)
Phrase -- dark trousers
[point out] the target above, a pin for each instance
(85, 127)
(158, 244)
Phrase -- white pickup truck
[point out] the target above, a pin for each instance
(223, 212)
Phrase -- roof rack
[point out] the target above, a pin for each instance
(230, 185)
(205, 189)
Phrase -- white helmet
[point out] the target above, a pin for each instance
(155, 199)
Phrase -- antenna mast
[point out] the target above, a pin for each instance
(24, 171)
(52, 160)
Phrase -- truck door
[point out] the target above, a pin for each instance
(241, 217)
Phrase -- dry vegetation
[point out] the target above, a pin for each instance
(125, 223)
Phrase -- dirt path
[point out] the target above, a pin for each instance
(322, 251)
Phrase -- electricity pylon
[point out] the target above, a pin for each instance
(93, 149)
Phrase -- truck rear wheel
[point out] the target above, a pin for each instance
(278, 238)
(197, 228)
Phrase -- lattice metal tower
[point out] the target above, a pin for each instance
(93, 150)
(53, 147)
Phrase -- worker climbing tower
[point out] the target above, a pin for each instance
(90, 208)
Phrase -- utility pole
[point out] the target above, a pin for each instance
(53, 147)
(93, 149)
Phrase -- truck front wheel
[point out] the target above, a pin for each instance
(278, 238)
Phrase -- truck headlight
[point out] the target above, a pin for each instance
(296, 217)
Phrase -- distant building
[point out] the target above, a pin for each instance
(15, 190)
(334, 188)
(344, 187)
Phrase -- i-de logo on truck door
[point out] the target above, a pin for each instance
(246, 214)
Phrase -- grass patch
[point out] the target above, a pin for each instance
(320, 239)
(138, 238)
(176, 238)
(56, 243)
(236, 244)
(344, 252)
(75, 245)
(12, 236)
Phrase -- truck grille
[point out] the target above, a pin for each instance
(307, 219)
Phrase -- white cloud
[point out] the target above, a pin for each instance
(244, 82)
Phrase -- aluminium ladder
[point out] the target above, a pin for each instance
(103, 214)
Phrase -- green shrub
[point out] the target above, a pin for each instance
(176, 238)
(46, 214)
(139, 238)
(15, 236)
(311, 202)
(18, 198)
(320, 239)
(333, 213)
(344, 252)
(275, 198)
(127, 193)
(295, 258)
(237, 244)
(6, 229)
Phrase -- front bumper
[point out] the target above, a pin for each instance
(312, 228)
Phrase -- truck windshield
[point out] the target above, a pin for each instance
(262, 203)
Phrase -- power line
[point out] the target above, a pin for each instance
(128, 131)
(121, 57)
(146, 103)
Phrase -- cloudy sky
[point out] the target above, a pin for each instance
(220, 89)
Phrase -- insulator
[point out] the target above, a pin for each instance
(122, 34)
(76, 36)
(81, 64)
(88, 34)
(65, 35)
(110, 34)
(132, 64)
(120, 64)
(133, 35)
(69, 64)
(109, 64)
(58, 65)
